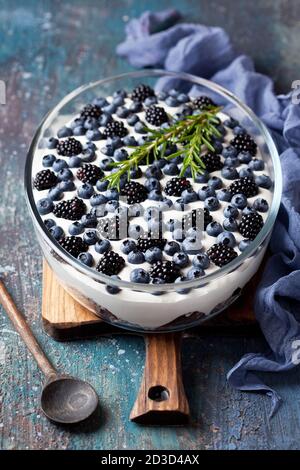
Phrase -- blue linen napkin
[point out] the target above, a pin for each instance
(154, 40)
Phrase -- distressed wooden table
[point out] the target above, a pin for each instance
(48, 48)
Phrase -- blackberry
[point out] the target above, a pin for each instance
(44, 179)
(115, 129)
(72, 209)
(246, 186)
(190, 219)
(134, 191)
(91, 111)
(156, 115)
(175, 186)
(111, 263)
(203, 102)
(243, 142)
(250, 225)
(73, 245)
(113, 228)
(167, 271)
(212, 161)
(89, 173)
(221, 254)
(69, 147)
(141, 92)
(144, 244)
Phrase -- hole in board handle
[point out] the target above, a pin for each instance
(158, 393)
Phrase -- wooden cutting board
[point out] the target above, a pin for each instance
(161, 398)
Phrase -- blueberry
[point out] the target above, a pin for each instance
(136, 107)
(248, 210)
(181, 259)
(157, 280)
(171, 169)
(112, 206)
(214, 228)
(59, 165)
(230, 224)
(223, 195)
(94, 134)
(101, 102)
(86, 258)
(151, 184)
(215, 182)
(91, 123)
(90, 237)
(218, 146)
(189, 195)
(102, 246)
(127, 246)
(173, 92)
(49, 223)
(122, 112)
(263, 181)
(102, 185)
(155, 195)
(121, 92)
(151, 213)
(231, 123)
(179, 205)
(75, 161)
(256, 164)
(153, 172)
(79, 130)
(244, 244)
(45, 206)
(139, 275)
(76, 228)
(192, 245)
(136, 257)
(112, 194)
(135, 231)
(97, 200)
(67, 185)
(227, 238)
(195, 273)
(162, 95)
(211, 203)
(238, 130)
(202, 177)
(120, 155)
(51, 143)
(77, 122)
(246, 172)
(182, 291)
(132, 119)
(178, 234)
(171, 101)
(206, 192)
(118, 100)
(107, 150)
(231, 211)
(183, 98)
(140, 127)
(165, 204)
(231, 161)
(89, 220)
(171, 248)
(115, 141)
(239, 201)
(244, 156)
(56, 232)
(160, 163)
(135, 210)
(201, 260)
(150, 101)
(65, 175)
(106, 164)
(88, 153)
(111, 108)
(56, 193)
(187, 173)
(48, 160)
(153, 254)
(261, 205)
(113, 290)
(85, 191)
(229, 173)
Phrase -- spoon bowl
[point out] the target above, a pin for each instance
(68, 400)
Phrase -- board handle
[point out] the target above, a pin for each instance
(161, 398)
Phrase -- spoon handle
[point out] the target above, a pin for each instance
(25, 332)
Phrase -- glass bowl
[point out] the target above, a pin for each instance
(137, 306)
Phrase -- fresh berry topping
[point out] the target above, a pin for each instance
(165, 270)
(91, 111)
(251, 224)
(195, 218)
(243, 142)
(73, 245)
(115, 128)
(221, 254)
(145, 244)
(246, 186)
(134, 191)
(110, 263)
(69, 147)
(212, 162)
(72, 209)
(203, 102)
(175, 186)
(44, 179)
(156, 115)
(89, 173)
(141, 92)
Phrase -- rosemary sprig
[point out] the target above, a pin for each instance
(190, 134)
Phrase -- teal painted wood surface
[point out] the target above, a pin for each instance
(47, 49)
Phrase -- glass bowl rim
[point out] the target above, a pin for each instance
(152, 288)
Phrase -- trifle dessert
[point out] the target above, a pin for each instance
(152, 189)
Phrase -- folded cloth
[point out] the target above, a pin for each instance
(154, 40)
